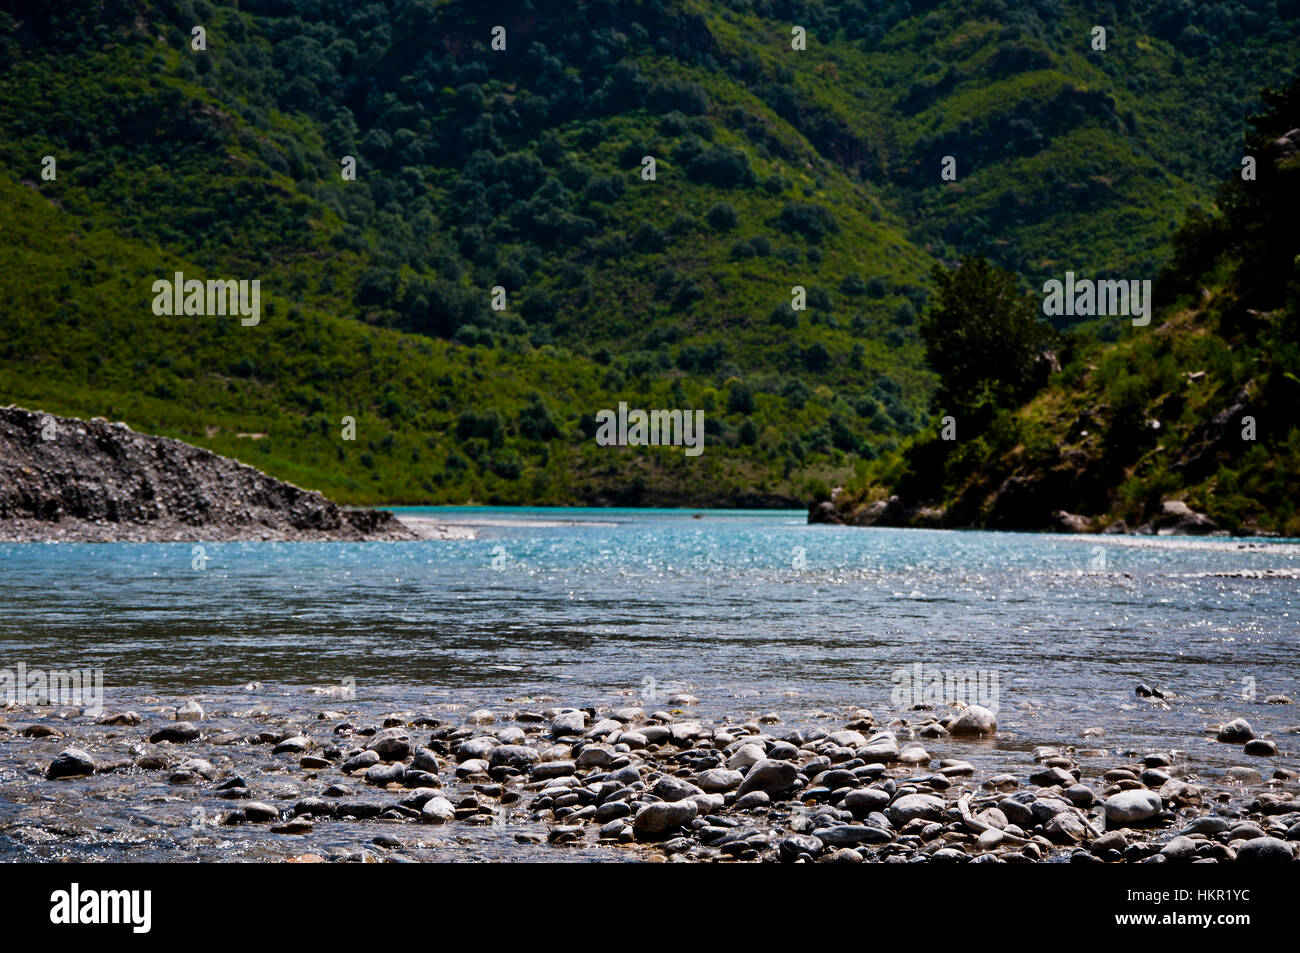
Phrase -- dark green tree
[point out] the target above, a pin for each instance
(982, 337)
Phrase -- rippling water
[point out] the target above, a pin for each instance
(752, 612)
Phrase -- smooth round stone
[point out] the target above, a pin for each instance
(1261, 747)
(596, 756)
(851, 835)
(662, 817)
(1001, 782)
(1052, 777)
(975, 720)
(1237, 731)
(1131, 807)
(914, 755)
(437, 810)
(1265, 850)
(259, 812)
(425, 760)
(176, 733)
(912, 806)
(793, 845)
(863, 801)
(365, 759)
(746, 756)
(934, 730)
(752, 800)
(1080, 795)
(719, 779)
(296, 744)
(476, 748)
(774, 777)
(482, 716)
(511, 735)
(569, 723)
(70, 763)
(669, 788)
(1244, 775)
(553, 769)
(381, 774)
(989, 839)
(1208, 825)
(1154, 777)
(1179, 849)
(682, 698)
(190, 711)
(519, 757)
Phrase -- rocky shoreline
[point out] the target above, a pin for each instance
(640, 782)
(68, 480)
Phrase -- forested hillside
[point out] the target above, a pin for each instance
(523, 169)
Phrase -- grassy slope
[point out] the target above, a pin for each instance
(167, 164)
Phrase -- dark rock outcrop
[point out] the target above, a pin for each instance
(62, 478)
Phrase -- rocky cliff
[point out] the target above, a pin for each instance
(90, 480)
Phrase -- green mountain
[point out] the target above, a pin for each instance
(522, 169)
(1197, 408)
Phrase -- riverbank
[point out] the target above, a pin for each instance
(318, 775)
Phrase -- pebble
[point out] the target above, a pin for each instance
(664, 817)
(1131, 807)
(70, 763)
(975, 720)
(1237, 731)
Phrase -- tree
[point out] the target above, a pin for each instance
(982, 337)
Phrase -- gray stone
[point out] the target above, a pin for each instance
(70, 763)
(519, 757)
(975, 720)
(719, 779)
(663, 817)
(911, 806)
(391, 744)
(437, 810)
(1237, 731)
(773, 777)
(1265, 850)
(669, 788)
(1131, 807)
(177, 733)
(851, 835)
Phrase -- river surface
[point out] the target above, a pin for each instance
(751, 612)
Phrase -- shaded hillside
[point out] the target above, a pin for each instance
(1194, 414)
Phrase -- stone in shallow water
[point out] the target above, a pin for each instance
(1131, 807)
(1237, 731)
(190, 711)
(975, 720)
(176, 733)
(391, 744)
(519, 757)
(70, 763)
(437, 810)
(1261, 747)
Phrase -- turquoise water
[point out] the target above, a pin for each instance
(750, 611)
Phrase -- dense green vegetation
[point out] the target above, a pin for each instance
(1199, 407)
(523, 169)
